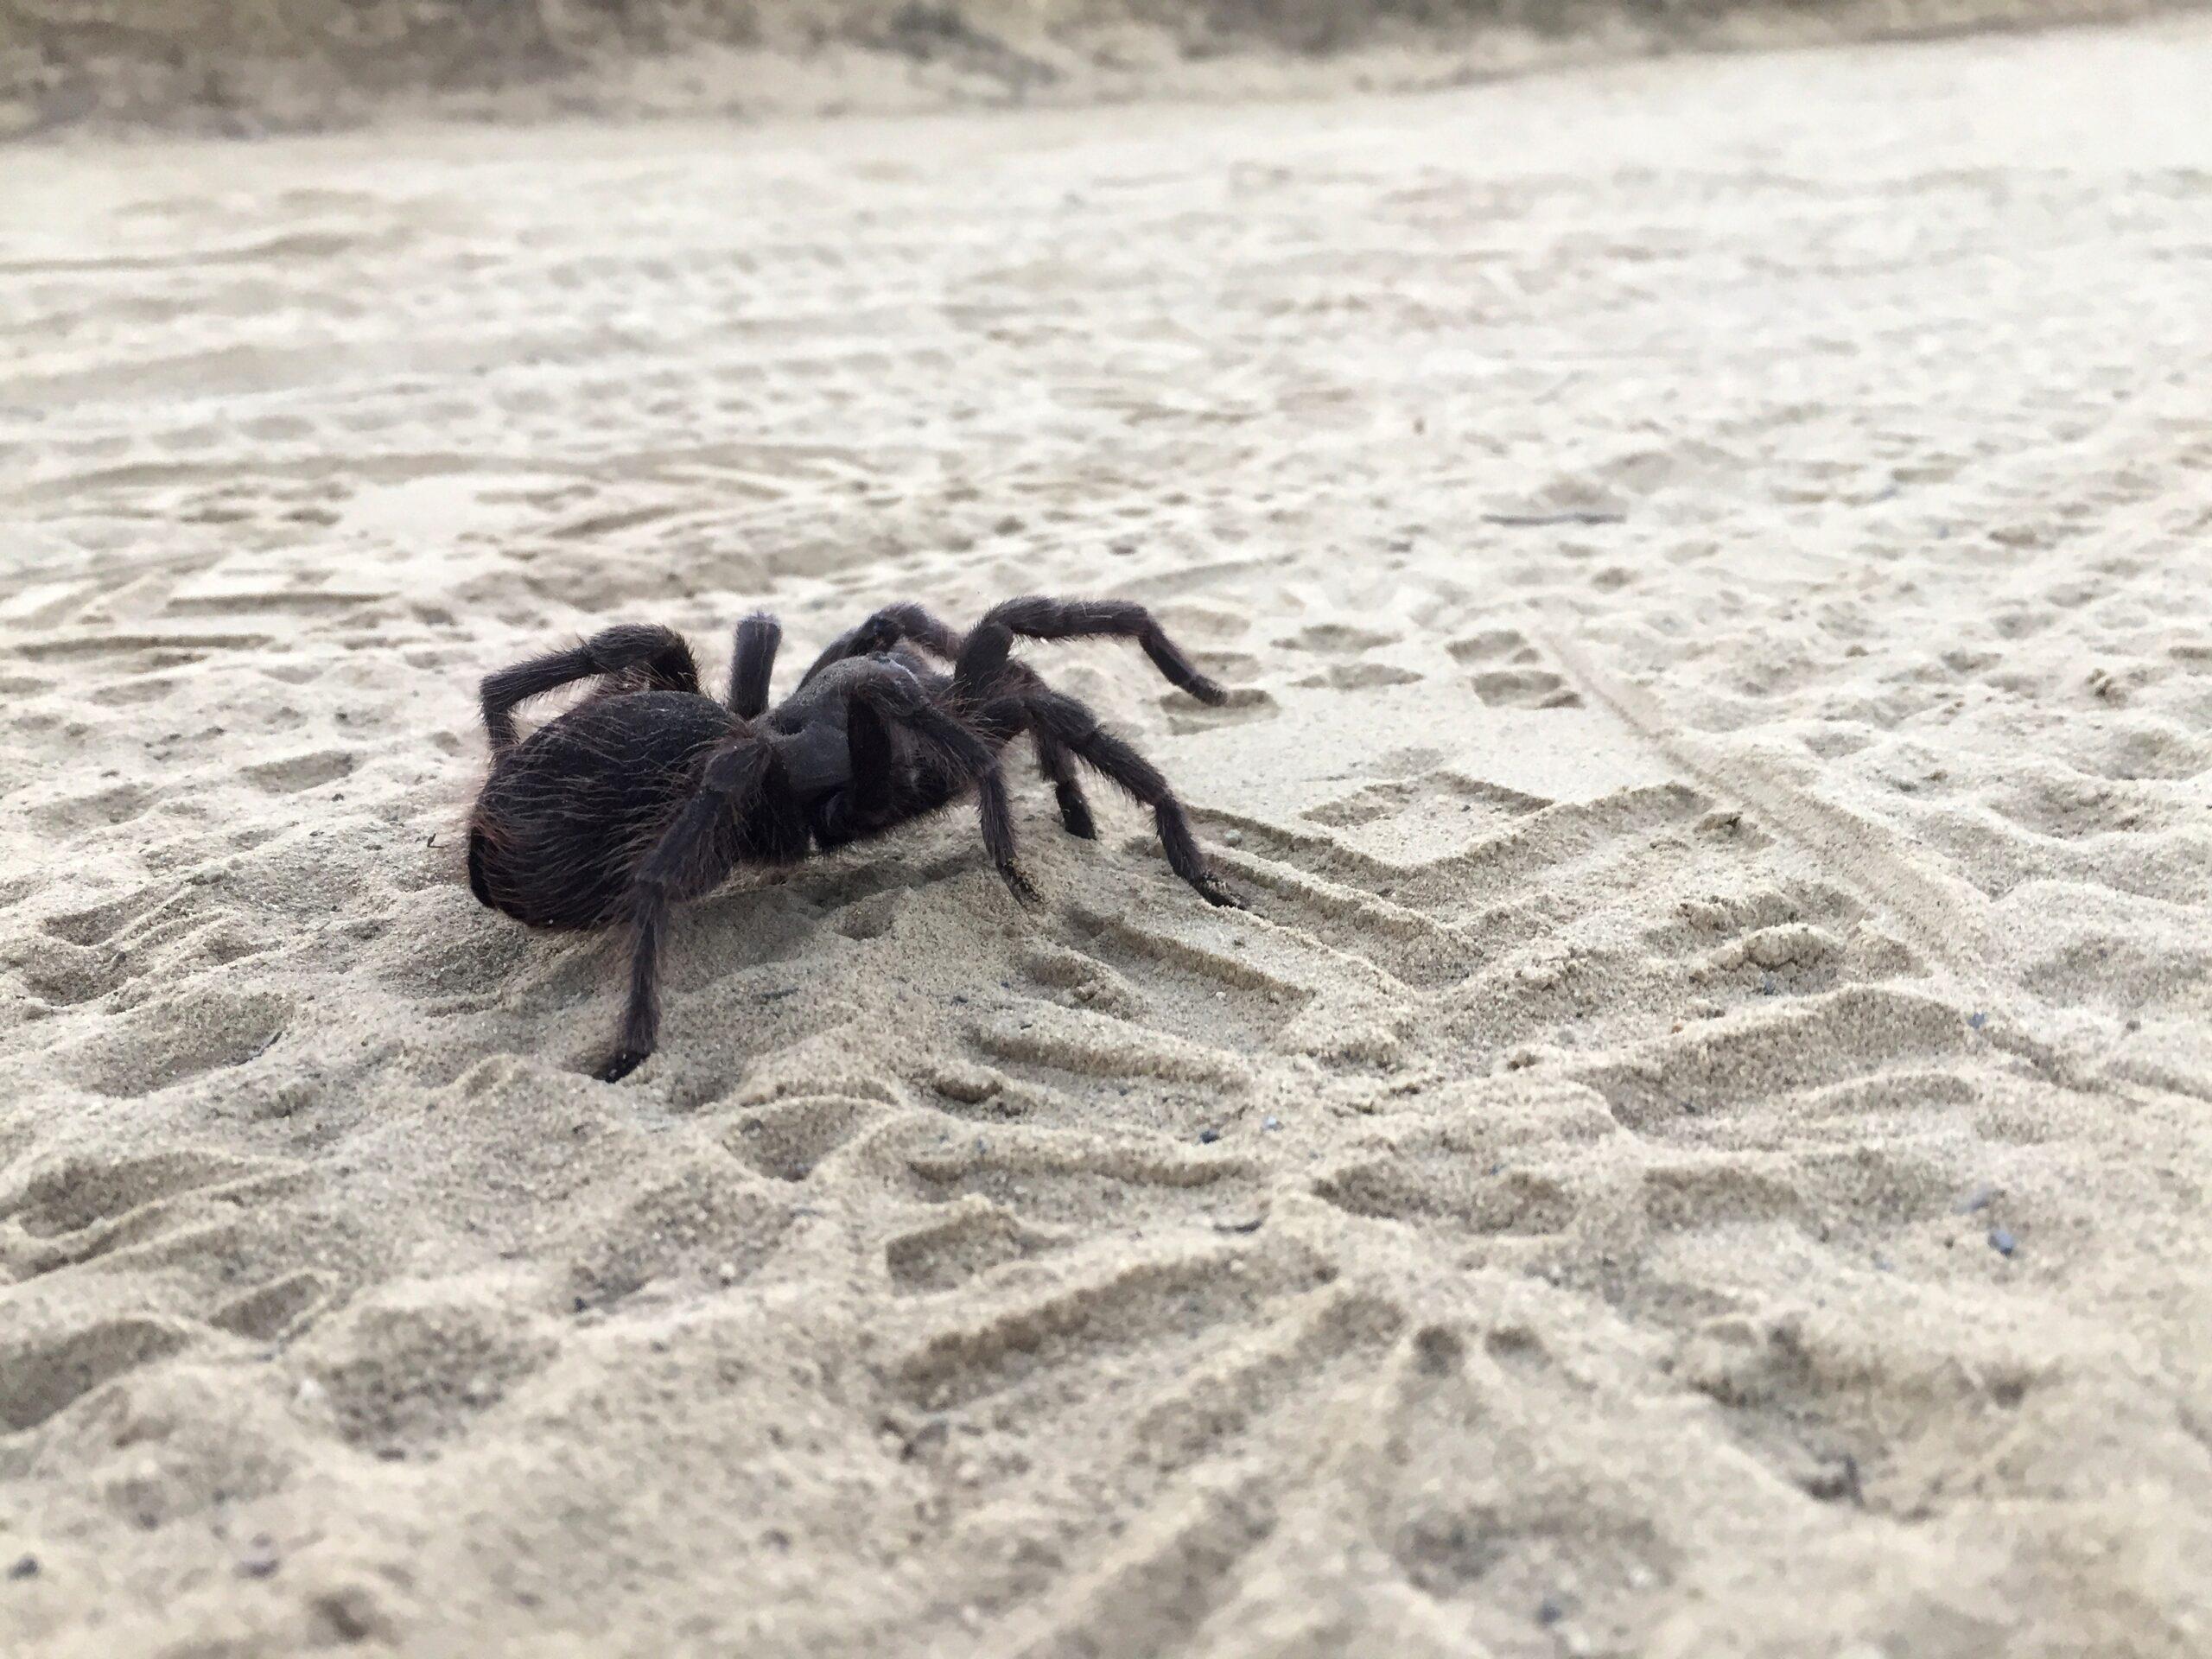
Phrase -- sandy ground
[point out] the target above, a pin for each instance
(1697, 1149)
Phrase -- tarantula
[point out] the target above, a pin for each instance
(648, 792)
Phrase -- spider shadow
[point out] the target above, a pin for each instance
(856, 894)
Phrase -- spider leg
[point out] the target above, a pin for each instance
(893, 691)
(908, 620)
(1075, 727)
(740, 808)
(1004, 717)
(885, 629)
(880, 790)
(983, 653)
(752, 663)
(883, 792)
(659, 651)
(872, 799)
(837, 650)
(1059, 767)
(997, 815)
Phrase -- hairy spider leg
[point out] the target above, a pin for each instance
(660, 652)
(752, 662)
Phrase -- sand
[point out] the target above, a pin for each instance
(1698, 1147)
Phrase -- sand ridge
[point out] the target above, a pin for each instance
(1698, 1147)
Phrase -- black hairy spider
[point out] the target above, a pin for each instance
(648, 792)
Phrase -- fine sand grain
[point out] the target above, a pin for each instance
(1698, 1148)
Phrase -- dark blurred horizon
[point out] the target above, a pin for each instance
(215, 67)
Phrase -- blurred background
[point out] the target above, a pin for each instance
(245, 66)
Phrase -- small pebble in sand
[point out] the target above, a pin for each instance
(1271, 1122)
(2002, 1240)
(26, 1566)
(1207, 1137)
(260, 1560)
(1234, 837)
(1979, 1199)
(1976, 1021)
(969, 1084)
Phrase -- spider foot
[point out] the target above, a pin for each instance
(1019, 886)
(1208, 690)
(618, 1064)
(1075, 816)
(1214, 894)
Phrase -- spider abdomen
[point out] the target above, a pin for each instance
(567, 814)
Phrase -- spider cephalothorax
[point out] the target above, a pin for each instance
(648, 792)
